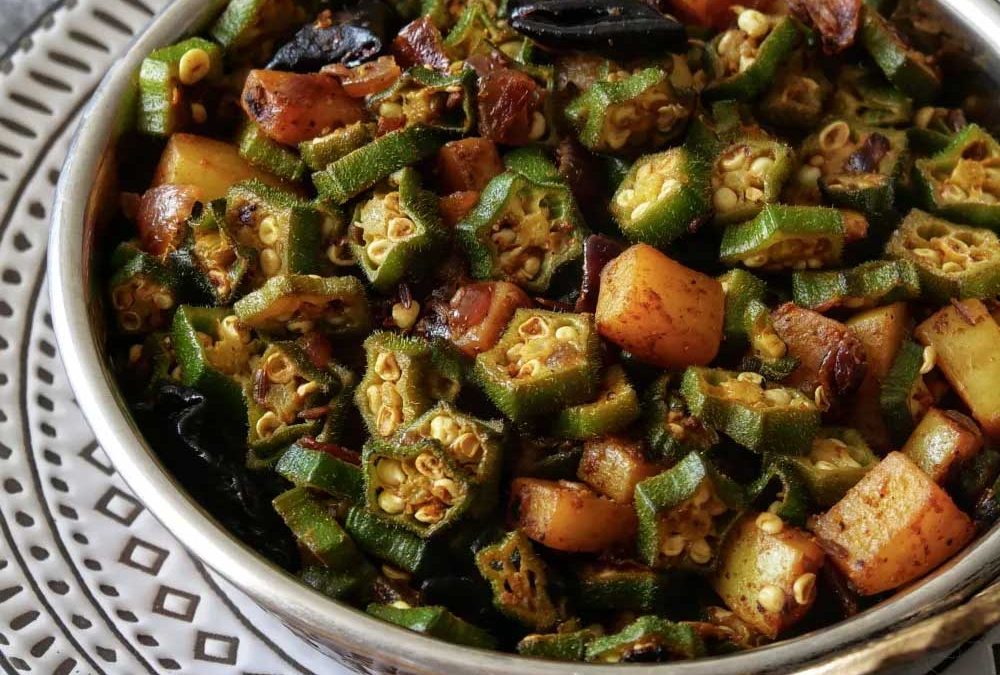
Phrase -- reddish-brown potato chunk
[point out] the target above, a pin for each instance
(570, 516)
(508, 101)
(659, 310)
(894, 526)
(456, 206)
(468, 165)
(162, 213)
(478, 314)
(420, 44)
(295, 107)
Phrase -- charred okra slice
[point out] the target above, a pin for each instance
(322, 151)
(435, 621)
(864, 95)
(786, 237)
(612, 586)
(318, 470)
(397, 232)
(781, 490)
(933, 129)
(797, 98)
(740, 287)
(419, 487)
(316, 530)
(211, 262)
(768, 354)
(264, 153)
(962, 182)
(290, 397)
(143, 291)
(403, 550)
(479, 29)
(614, 409)
(953, 261)
(907, 68)
(647, 639)
(683, 514)
(296, 304)
(628, 112)
(473, 444)
(662, 195)
(361, 169)
(838, 459)
(428, 97)
(745, 59)
(284, 232)
(870, 284)
(905, 397)
(519, 580)
(215, 351)
(249, 29)
(672, 432)
(544, 361)
(522, 231)
(753, 413)
(746, 175)
(352, 584)
(560, 646)
(170, 99)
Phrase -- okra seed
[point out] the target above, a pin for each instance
(700, 551)
(338, 255)
(396, 574)
(515, 352)
(770, 523)
(378, 250)
(734, 160)
(538, 126)
(400, 604)
(390, 472)
(951, 267)
(761, 166)
(300, 325)
(270, 262)
(930, 359)
(834, 136)
(729, 42)
(669, 187)
(391, 503)
(163, 301)
(534, 327)
(820, 398)
(267, 425)
(676, 430)
(952, 192)
(504, 238)
(923, 117)
(405, 317)
(754, 195)
(399, 229)
(194, 66)
(390, 109)
(428, 465)
(374, 397)
(567, 333)
(307, 389)
(531, 266)
(824, 465)
(467, 445)
(753, 378)
(756, 261)
(279, 369)
(625, 197)
(771, 598)
(808, 175)
(387, 420)
(617, 138)
(804, 588)
(753, 23)
(746, 62)
(446, 490)
(673, 546)
(428, 514)
(198, 113)
(725, 199)
(529, 369)
(390, 396)
(778, 397)
(444, 429)
(639, 211)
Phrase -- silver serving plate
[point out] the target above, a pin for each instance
(873, 641)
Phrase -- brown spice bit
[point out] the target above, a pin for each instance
(836, 20)
(260, 387)
(868, 156)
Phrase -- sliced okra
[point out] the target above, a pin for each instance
(907, 68)
(397, 232)
(435, 621)
(745, 59)
(905, 398)
(781, 490)
(662, 195)
(361, 169)
(620, 585)
(838, 459)
(786, 237)
(519, 580)
(211, 263)
(625, 112)
(382, 539)
(672, 432)
(962, 182)
(614, 409)
(755, 414)
(316, 530)
(428, 97)
(746, 175)
(474, 444)
(798, 96)
(250, 29)
(323, 151)
(864, 95)
(351, 584)
(870, 284)
(768, 354)
(318, 470)
(544, 361)
(647, 639)
(296, 304)
(143, 292)
(479, 28)
(522, 231)
(740, 287)
(683, 514)
(933, 128)
(264, 153)
(170, 99)
(420, 487)
(952, 261)
(559, 646)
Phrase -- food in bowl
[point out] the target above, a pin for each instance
(566, 327)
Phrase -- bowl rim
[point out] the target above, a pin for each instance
(345, 628)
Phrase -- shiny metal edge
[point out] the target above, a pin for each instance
(330, 624)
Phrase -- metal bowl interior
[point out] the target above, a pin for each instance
(351, 635)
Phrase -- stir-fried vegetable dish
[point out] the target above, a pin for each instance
(595, 331)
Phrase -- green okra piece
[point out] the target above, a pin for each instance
(250, 29)
(362, 169)
(614, 409)
(754, 413)
(210, 264)
(351, 584)
(838, 459)
(864, 94)
(323, 151)
(662, 195)
(519, 580)
(641, 111)
(430, 98)
(736, 77)
(296, 304)
(522, 231)
(783, 237)
(544, 361)
(962, 182)
(478, 30)
(322, 471)
(907, 68)
(904, 396)
(683, 514)
(797, 98)
(475, 445)
(258, 149)
(397, 233)
(143, 291)
(672, 432)
(435, 621)
(168, 85)
(870, 284)
(625, 585)
(746, 175)
(740, 287)
(539, 457)
(933, 128)
(781, 490)
(388, 542)
(533, 162)
(974, 478)
(317, 530)
(768, 353)
(648, 638)
(568, 646)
